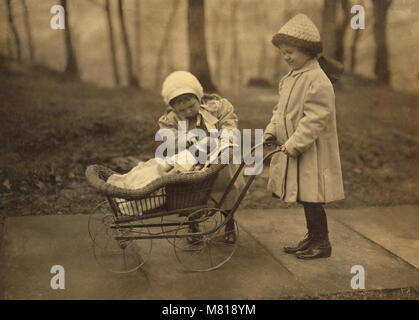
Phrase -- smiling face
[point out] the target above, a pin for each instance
(186, 105)
(293, 56)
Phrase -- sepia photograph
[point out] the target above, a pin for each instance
(222, 151)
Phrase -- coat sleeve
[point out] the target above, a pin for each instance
(270, 128)
(166, 122)
(317, 109)
(226, 116)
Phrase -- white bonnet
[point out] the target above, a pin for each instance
(181, 82)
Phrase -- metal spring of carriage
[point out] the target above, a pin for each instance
(173, 207)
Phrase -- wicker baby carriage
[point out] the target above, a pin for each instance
(175, 207)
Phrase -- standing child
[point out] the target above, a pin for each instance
(184, 96)
(308, 171)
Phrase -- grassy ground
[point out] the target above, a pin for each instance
(51, 128)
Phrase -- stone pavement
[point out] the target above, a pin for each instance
(382, 240)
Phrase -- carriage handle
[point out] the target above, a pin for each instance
(250, 180)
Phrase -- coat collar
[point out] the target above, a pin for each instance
(204, 115)
(309, 65)
(209, 120)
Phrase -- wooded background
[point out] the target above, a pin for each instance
(52, 126)
(139, 42)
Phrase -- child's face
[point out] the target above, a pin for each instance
(187, 107)
(293, 56)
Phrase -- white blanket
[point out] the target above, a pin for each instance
(146, 172)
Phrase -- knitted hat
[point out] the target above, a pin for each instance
(181, 82)
(300, 32)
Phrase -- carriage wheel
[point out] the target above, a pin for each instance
(204, 249)
(118, 256)
(171, 230)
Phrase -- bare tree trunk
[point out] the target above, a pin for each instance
(9, 46)
(380, 34)
(14, 30)
(277, 67)
(170, 61)
(138, 40)
(354, 47)
(262, 55)
(236, 73)
(219, 45)
(341, 31)
(128, 57)
(287, 14)
(72, 67)
(329, 27)
(197, 44)
(28, 32)
(112, 44)
(165, 44)
(262, 60)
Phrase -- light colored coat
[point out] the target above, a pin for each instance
(304, 121)
(217, 114)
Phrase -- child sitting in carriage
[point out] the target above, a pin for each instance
(184, 96)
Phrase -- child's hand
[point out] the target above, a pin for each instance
(198, 167)
(284, 150)
(269, 138)
(166, 166)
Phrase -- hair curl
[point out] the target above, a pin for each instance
(312, 48)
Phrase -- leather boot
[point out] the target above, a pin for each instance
(305, 243)
(317, 249)
(302, 245)
(194, 239)
(230, 232)
(320, 246)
